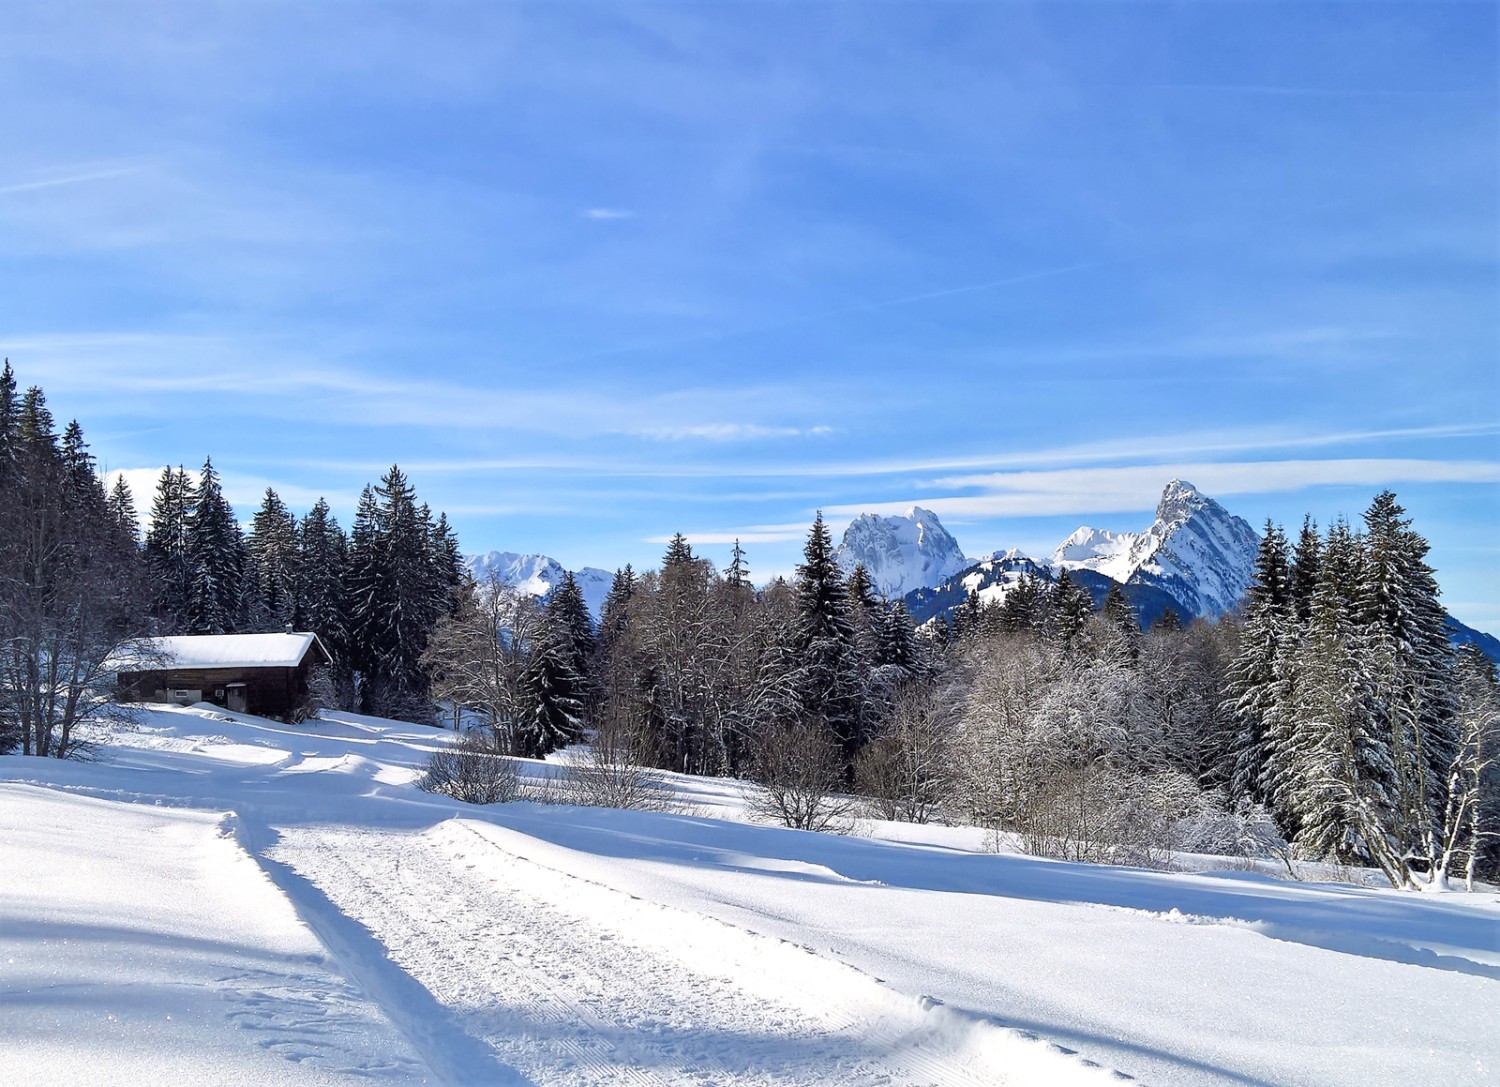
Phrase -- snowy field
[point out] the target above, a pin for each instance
(224, 900)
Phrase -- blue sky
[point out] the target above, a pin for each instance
(596, 273)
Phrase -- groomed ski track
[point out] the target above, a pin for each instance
(540, 977)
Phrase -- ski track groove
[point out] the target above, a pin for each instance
(570, 999)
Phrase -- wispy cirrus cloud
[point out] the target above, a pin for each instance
(1135, 487)
(605, 215)
(68, 179)
(137, 374)
(730, 432)
(782, 533)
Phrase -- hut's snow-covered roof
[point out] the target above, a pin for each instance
(221, 651)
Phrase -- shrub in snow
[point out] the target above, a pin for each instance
(473, 770)
(613, 776)
(906, 771)
(798, 770)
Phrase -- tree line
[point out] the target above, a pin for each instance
(77, 581)
(1329, 721)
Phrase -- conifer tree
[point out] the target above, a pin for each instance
(365, 590)
(568, 612)
(9, 411)
(1255, 677)
(1414, 660)
(166, 550)
(1168, 620)
(215, 560)
(1023, 605)
(829, 669)
(1303, 575)
(448, 563)
(678, 552)
(1118, 611)
(68, 580)
(122, 513)
(402, 603)
(737, 573)
(322, 593)
(1070, 609)
(273, 564)
(1332, 767)
(554, 709)
(613, 615)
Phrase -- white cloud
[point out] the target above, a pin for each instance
(730, 432)
(1136, 487)
(749, 534)
(608, 214)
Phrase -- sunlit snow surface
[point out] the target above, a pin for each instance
(219, 899)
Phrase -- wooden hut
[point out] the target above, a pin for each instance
(267, 675)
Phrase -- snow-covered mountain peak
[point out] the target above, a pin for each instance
(1196, 550)
(901, 553)
(1097, 549)
(1180, 500)
(1010, 555)
(537, 575)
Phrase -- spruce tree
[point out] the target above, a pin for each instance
(568, 613)
(829, 679)
(678, 553)
(1256, 674)
(554, 708)
(1334, 768)
(1070, 609)
(1023, 605)
(166, 551)
(273, 554)
(1415, 670)
(737, 573)
(405, 604)
(9, 411)
(1303, 575)
(322, 594)
(122, 512)
(215, 560)
(1119, 612)
(613, 614)
(365, 592)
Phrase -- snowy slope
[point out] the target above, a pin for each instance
(143, 945)
(1196, 550)
(567, 946)
(536, 575)
(901, 553)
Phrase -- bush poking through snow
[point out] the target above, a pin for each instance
(799, 770)
(473, 770)
(613, 776)
(906, 771)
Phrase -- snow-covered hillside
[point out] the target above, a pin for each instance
(536, 575)
(220, 899)
(901, 553)
(1196, 550)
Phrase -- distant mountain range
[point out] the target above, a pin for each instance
(1196, 558)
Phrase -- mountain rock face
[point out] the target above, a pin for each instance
(535, 575)
(901, 553)
(1196, 551)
